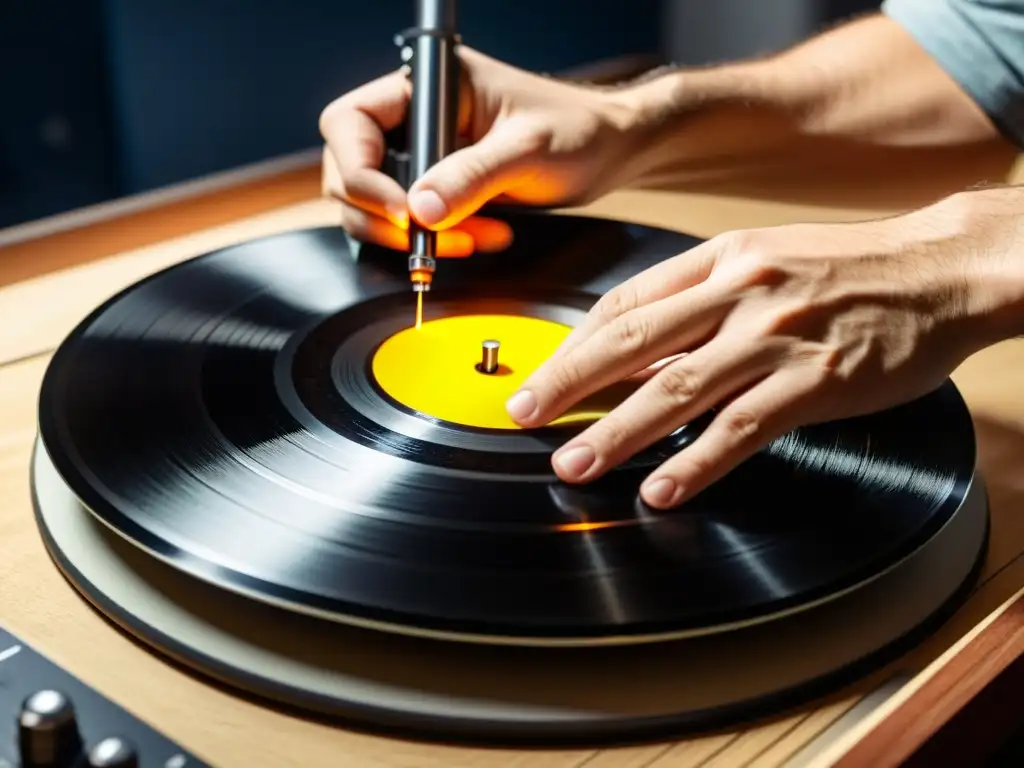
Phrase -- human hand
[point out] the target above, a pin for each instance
(781, 327)
(524, 139)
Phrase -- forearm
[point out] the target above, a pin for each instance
(861, 91)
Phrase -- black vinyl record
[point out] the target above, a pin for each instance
(221, 415)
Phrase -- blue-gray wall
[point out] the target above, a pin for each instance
(153, 92)
(207, 84)
(55, 137)
(700, 32)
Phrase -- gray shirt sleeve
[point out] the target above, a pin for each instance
(980, 44)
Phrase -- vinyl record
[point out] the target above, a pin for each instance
(225, 416)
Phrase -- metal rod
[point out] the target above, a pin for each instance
(433, 115)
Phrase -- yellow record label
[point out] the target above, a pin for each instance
(433, 369)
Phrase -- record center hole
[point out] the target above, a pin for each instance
(435, 369)
(501, 370)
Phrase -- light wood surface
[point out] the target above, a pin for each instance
(42, 302)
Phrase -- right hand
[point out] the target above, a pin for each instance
(523, 138)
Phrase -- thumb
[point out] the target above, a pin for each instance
(463, 182)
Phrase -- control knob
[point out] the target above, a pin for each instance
(48, 735)
(113, 752)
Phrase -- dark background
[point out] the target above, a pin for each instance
(105, 98)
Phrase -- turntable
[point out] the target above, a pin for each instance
(256, 463)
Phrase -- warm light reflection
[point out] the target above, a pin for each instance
(584, 527)
(607, 586)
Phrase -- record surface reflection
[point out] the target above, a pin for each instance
(222, 415)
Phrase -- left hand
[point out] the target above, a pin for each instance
(782, 327)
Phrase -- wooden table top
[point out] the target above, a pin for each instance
(55, 272)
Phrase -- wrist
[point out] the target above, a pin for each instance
(980, 233)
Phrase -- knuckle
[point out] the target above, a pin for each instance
(828, 367)
(330, 114)
(630, 334)
(741, 425)
(533, 137)
(563, 377)
(736, 242)
(753, 263)
(761, 268)
(368, 146)
(354, 222)
(474, 168)
(781, 321)
(613, 304)
(678, 383)
(746, 246)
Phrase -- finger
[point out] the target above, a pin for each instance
(354, 128)
(768, 410)
(377, 193)
(333, 186)
(486, 235)
(676, 395)
(490, 235)
(354, 125)
(614, 351)
(368, 228)
(669, 277)
(465, 180)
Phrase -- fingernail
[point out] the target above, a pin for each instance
(428, 207)
(661, 492)
(521, 405)
(575, 461)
